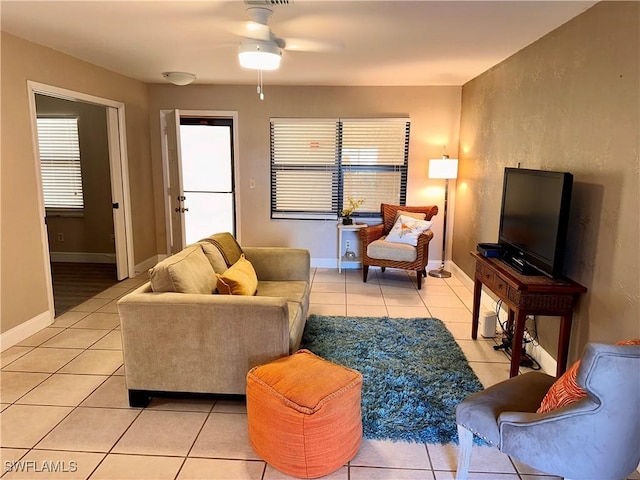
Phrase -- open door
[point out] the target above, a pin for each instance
(117, 194)
(200, 170)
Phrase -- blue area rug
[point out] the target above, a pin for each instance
(414, 373)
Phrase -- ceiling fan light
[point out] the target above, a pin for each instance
(259, 56)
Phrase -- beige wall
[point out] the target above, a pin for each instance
(568, 102)
(434, 113)
(23, 278)
(90, 233)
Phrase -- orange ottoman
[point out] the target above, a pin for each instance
(304, 414)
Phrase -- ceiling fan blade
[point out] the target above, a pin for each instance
(250, 29)
(311, 45)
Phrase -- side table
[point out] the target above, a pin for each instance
(342, 247)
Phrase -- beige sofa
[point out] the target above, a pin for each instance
(207, 342)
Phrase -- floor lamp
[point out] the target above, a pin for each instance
(445, 168)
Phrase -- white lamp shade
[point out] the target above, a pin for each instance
(443, 168)
(258, 55)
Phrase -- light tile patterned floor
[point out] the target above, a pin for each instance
(64, 402)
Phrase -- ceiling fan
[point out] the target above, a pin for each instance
(261, 49)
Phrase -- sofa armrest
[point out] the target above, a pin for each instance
(279, 263)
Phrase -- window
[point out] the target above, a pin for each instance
(60, 163)
(316, 164)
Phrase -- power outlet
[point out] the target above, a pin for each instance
(61, 237)
(348, 244)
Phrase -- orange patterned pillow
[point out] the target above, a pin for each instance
(565, 390)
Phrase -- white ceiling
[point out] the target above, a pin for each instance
(385, 42)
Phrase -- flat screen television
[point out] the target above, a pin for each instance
(534, 220)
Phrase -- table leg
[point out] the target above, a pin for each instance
(563, 343)
(477, 291)
(516, 344)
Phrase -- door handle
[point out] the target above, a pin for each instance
(181, 198)
(179, 210)
(115, 205)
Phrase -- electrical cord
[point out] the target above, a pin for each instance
(526, 360)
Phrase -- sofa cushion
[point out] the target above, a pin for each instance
(214, 256)
(187, 271)
(293, 291)
(227, 245)
(239, 279)
(398, 252)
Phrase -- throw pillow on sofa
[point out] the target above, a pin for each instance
(239, 279)
(187, 271)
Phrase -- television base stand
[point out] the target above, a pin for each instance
(520, 266)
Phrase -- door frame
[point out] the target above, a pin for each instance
(226, 114)
(116, 132)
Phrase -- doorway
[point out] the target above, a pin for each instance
(199, 151)
(83, 189)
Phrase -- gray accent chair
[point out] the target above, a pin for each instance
(597, 437)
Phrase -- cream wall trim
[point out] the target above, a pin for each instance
(83, 257)
(148, 263)
(546, 361)
(25, 330)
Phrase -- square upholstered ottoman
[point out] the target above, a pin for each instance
(304, 414)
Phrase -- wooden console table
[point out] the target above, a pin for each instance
(526, 295)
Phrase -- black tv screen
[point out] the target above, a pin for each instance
(534, 219)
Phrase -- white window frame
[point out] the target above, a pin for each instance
(298, 151)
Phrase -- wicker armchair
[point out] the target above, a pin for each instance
(416, 260)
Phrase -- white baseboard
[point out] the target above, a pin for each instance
(332, 262)
(25, 330)
(82, 257)
(148, 263)
(487, 301)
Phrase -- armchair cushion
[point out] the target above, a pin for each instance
(239, 279)
(186, 272)
(396, 252)
(407, 229)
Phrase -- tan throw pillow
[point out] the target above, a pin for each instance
(416, 215)
(217, 261)
(239, 279)
(228, 246)
(187, 271)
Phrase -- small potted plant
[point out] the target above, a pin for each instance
(347, 211)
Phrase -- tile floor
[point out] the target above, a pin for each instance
(64, 405)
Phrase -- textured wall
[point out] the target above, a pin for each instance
(568, 102)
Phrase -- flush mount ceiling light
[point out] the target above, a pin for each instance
(179, 78)
(259, 55)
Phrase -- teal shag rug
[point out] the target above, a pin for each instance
(414, 373)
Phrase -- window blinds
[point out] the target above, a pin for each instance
(60, 162)
(316, 164)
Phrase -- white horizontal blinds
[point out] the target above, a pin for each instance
(304, 173)
(60, 162)
(374, 161)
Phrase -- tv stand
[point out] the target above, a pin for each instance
(520, 265)
(526, 295)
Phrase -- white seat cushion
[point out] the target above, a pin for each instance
(396, 252)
